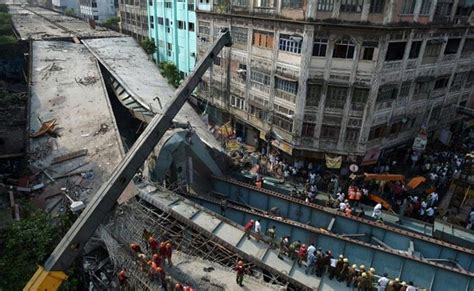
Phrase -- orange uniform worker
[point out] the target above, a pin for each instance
(122, 278)
(348, 210)
(162, 250)
(240, 269)
(302, 254)
(169, 252)
(135, 247)
(162, 275)
(153, 244)
(152, 270)
(157, 260)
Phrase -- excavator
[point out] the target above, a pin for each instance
(52, 274)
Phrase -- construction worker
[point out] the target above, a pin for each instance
(162, 250)
(325, 262)
(371, 276)
(257, 228)
(397, 285)
(142, 260)
(146, 235)
(178, 287)
(383, 282)
(169, 252)
(122, 278)
(345, 269)
(248, 227)
(363, 283)
(162, 275)
(271, 233)
(157, 259)
(284, 247)
(390, 286)
(240, 269)
(293, 249)
(301, 254)
(153, 244)
(351, 275)
(348, 210)
(135, 247)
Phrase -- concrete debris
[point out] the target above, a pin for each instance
(69, 156)
(102, 130)
(86, 81)
(47, 127)
(49, 70)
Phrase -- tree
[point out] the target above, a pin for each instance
(4, 8)
(26, 244)
(148, 46)
(70, 12)
(112, 23)
(171, 73)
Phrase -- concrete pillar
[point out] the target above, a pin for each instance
(432, 9)
(389, 11)
(336, 9)
(416, 12)
(365, 11)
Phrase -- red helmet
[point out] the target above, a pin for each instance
(156, 257)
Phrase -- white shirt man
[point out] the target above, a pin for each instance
(434, 198)
(342, 206)
(311, 249)
(257, 227)
(382, 283)
(430, 212)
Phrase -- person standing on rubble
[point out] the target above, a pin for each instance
(271, 233)
(122, 278)
(153, 244)
(162, 275)
(169, 252)
(248, 227)
(135, 247)
(146, 235)
(240, 269)
(284, 244)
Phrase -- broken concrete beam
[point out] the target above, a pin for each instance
(69, 156)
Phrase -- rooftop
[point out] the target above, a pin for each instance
(38, 23)
(68, 87)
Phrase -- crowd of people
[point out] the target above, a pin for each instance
(318, 263)
(152, 260)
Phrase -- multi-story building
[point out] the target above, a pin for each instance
(63, 5)
(99, 10)
(345, 77)
(134, 18)
(172, 26)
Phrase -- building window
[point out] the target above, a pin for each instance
(351, 5)
(432, 49)
(458, 81)
(237, 102)
(239, 34)
(97, 18)
(294, 4)
(290, 44)
(425, 7)
(441, 83)
(152, 22)
(386, 93)
(319, 47)
(452, 46)
(368, 49)
(257, 112)
(241, 3)
(191, 26)
(217, 61)
(160, 20)
(468, 48)
(168, 5)
(415, 49)
(421, 89)
(325, 5)
(377, 6)
(408, 7)
(377, 132)
(262, 39)
(395, 51)
(352, 134)
(94, 4)
(359, 98)
(286, 86)
(283, 118)
(330, 132)
(180, 24)
(313, 95)
(470, 80)
(443, 8)
(150, 2)
(260, 78)
(336, 97)
(344, 49)
(405, 89)
(308, 129)
(204, 29)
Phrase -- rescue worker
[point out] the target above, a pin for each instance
(383, 282)
(339, 265)
(178, 287)
(390, 286)
(293, 248)
(162, 275)
(271, 233)
(142, 260)
(363, 283)
(248, 227)
(162, 250)
(319, 262)
(122, 278)
(135, 247)
(153, 244)
(332, 267)
(404, 286)
(302, 254)
(351, 275)
(169, 252)
(358, 197)
(257, 229)
(397, 285)
(326, 262)
(345, 268)
(371, 276)
(284, 245)
(348, 210)
(152, 269)
(146, 235)
(240, 269)
(157, 259)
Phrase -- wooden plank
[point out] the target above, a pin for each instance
(69, 156)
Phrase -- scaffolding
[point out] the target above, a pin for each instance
(129, 222)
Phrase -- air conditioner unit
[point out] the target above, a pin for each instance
(241, 71)
(296, 38)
